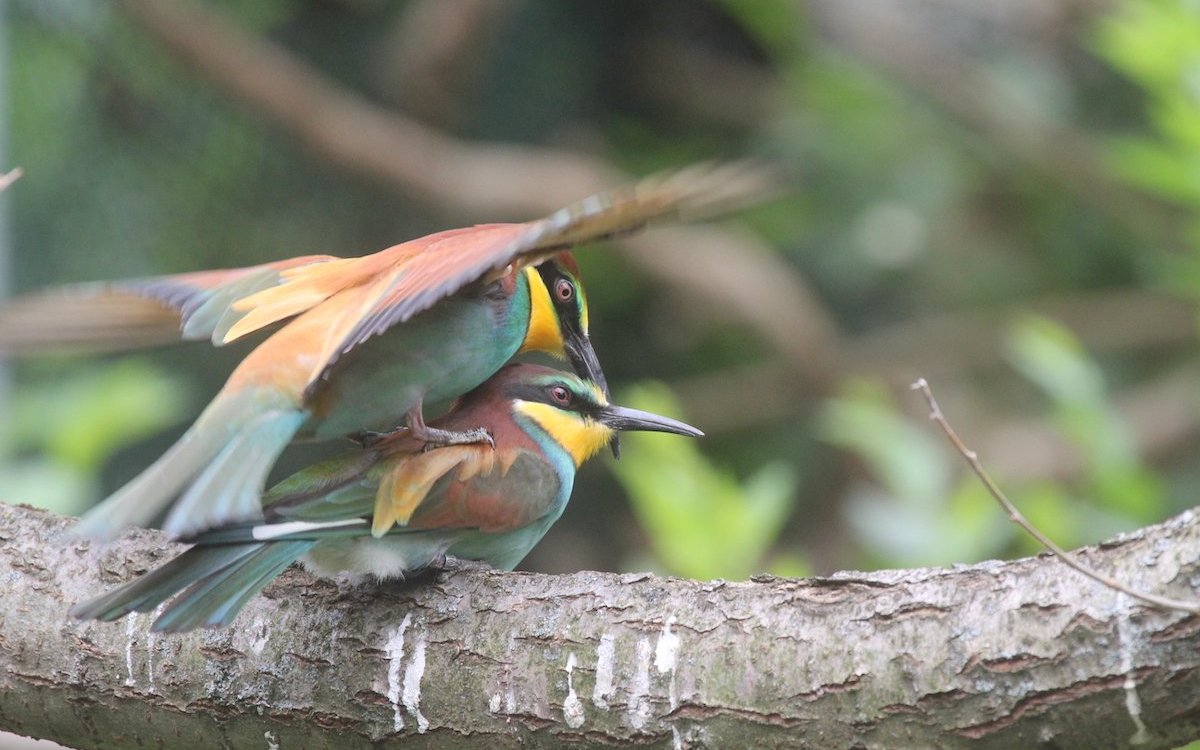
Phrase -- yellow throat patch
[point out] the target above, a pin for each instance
(544, 334)
(579, 436)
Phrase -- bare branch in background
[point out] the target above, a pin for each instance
(705, 83)
(434, 51)
(953, 346)
(1014, 515)
(11, 176)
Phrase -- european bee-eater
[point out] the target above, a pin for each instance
(396, 508)
(364, 341)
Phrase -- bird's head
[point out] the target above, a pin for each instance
(558, 319)
(575, 413)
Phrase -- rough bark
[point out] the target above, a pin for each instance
(1021, 654)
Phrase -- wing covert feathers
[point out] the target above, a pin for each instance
(446, 262)
(407, 482)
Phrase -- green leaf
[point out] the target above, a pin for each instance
(83, 418)
(701, 521)
(906, 458)
(1053, 359)
(777, 25)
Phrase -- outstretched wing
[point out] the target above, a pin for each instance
(105, 316)
(458, 259)
(444, 263)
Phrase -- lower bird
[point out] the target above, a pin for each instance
(396, 508)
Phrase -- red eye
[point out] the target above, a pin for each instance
(560, 395)
(564, 290)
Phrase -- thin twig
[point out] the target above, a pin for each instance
(10, 177)
(1014, 515)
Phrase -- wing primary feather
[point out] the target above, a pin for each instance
(148, 591)
(214, 601)
(452, 260)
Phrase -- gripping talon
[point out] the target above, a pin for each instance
(450, 564)
(437, 438)
(434, 438)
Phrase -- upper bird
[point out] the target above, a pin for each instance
(396, 508)
(363, 342)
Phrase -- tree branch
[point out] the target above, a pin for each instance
(995, 655)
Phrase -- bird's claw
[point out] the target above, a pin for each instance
(435, 438)
(448, 564)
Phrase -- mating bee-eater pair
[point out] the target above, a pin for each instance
(358, 344)
(395, 508)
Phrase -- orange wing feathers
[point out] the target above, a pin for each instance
(407, 482)
(434, 267)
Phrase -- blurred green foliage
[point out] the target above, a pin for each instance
(1114, 477)
(919, 513)
(58, 436)
(702, 521)
(929, 510)
(1157, 43)
(908, 212)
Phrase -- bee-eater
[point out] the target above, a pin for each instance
(363, 342)
(396, 508)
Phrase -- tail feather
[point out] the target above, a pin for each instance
(214, 601)
(155, 587)
(109, 316)
(86, 318)
(228, 452)
(310, 531)
(231, 486)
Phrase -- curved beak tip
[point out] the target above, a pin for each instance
(623, 418)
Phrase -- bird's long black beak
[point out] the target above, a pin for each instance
(582, 356)
(622, 418)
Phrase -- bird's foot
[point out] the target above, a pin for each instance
(436, 438)
(450, 564)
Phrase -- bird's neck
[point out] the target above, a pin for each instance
(544, 333)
